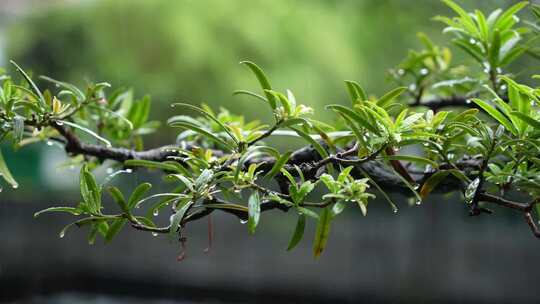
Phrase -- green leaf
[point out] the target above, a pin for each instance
(112, 113)
(280, 162)
(298, 232)
(496, 115)
(316, 145)
(265, 84)
(527, 119)
(228, 206)
(469, 49)
(119, 199)
(89, 190)
(323, 231)
(494, 50)
(508, 15)
(432, 182)
(283, 100)
(177, 217)
(80, 223)
(86, 130)
(30, 82)
(387, 98)
(253, 151)
(167, 166)
(5, 173)
(137, 194)
(205, 113)
(254, 211)
(114, 229)
(482, 25)
(466, 20)
(355, 91)
(412, 158)
(74, 211)
(68, 86)
(249, 93)
(205, 133)
(355, 117)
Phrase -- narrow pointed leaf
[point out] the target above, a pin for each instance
(298, 232)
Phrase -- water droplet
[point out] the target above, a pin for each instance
(62, 234)
(401, 72)
(418, 202)
(49, 143)
(155, 212)
(15, 186)
(243, 222)
(109, 170)
(424, 71)
(472, 41)
(395, 210)
(129, 171)
(503, 87)
(468, 101)
(59, 122)
(412, 87)
(154, 234)
(416, 187)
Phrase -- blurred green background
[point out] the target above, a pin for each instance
(189, 51)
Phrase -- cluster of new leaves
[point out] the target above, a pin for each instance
(220, 162)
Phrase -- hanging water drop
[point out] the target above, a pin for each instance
(472, 41)
(395, 210)
(401, 72)
(109, 170)
(155, 212)
(62, 233)
(424, 71)
(418, 202)
(468, 101)
(243, 222)
(15, 186)
(59, 122)
(154, 234)
(129, 170)
(49, 143)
